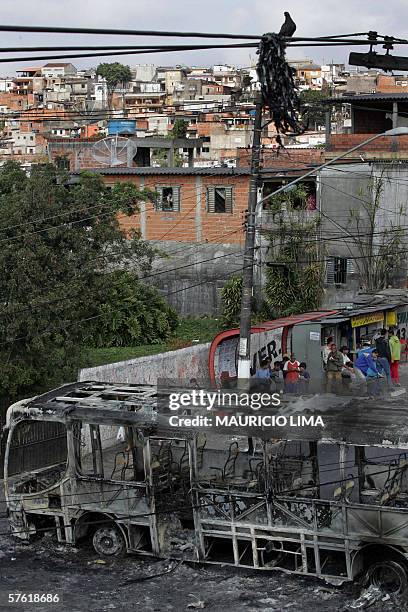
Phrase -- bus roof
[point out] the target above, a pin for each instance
(360, 421)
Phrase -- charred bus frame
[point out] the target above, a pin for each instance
(94, 460)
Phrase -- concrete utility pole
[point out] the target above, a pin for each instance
(244, 355)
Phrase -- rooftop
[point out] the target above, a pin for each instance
(149, 170)
(375, 97)
(57, 64)
(353, 420)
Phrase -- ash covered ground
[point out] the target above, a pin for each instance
(85, 583)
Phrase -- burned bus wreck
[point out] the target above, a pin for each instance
(95, 462)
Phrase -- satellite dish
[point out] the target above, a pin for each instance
(113, 151)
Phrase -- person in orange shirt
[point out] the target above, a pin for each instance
(292, 369)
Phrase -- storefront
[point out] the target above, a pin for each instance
(270, 339)
(366, 325)
(305, 335)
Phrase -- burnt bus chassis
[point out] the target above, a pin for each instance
(246, 524)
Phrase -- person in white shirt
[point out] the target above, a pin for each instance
(348, 364)
(347, 372)
(326, 350)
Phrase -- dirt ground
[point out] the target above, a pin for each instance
(84, 582)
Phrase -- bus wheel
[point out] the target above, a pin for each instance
(108, 541)
(389, 576)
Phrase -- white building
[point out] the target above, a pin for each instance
(5, 85)
(57, 70)
(144, 72)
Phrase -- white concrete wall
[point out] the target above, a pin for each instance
(183, 364)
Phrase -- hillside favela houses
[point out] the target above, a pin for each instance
(185, 133)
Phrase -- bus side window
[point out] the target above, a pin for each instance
(107, 455)
(37, 453)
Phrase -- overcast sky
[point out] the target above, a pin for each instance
(313, 18)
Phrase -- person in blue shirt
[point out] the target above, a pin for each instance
(304, 377)
(367, 362)
(263, 376)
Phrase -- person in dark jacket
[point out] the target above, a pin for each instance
(384, 354)
(334, 367)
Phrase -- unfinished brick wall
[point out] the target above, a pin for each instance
(193, 223)
(282, 158)
(388, 84)
(388, 144)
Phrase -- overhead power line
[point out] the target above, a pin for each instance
(111, 47)
(346, 39)
(119, 32)
(136, 51)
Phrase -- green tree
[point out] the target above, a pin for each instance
(179, 129)
(130, 313)
(377, 236)
(313, 105)
(114, 74)
(56, 242)
(231, 301)
(294, 279)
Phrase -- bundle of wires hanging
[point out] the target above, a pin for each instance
(278, 88)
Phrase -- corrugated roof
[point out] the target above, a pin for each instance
(148, 170)
(375, 97)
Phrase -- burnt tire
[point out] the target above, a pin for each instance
(390, 576)
(108, 541)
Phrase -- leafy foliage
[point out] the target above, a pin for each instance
(179, 129)
(295, 283)
(312, 106)
(130, 313)
(296, 198)
(231, 301)
(114, 73)
(381, 258)
(56, 242)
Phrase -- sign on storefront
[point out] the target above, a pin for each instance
(367, 319)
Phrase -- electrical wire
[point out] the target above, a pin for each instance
(337, 463)
(121, 32)
(137, 51)
(184, 508)
(117, 47)
(63, 327)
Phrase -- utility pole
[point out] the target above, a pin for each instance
(244, 354)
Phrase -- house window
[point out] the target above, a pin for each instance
(219, 199)
(205, 149)
(168, 198)
(338, 270)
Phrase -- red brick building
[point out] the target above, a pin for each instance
(203, 205)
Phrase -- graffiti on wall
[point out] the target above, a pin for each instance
(265, 344)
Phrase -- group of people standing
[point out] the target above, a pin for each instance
(388, 348)
(373, 362)
(289, 375)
